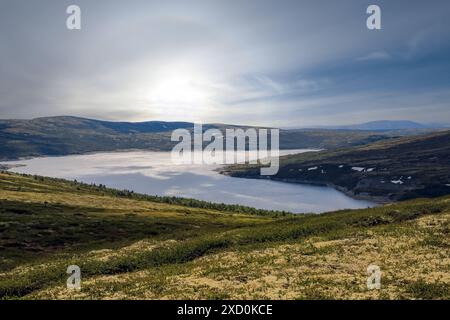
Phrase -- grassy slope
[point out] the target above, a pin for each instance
(130, 247)
(421, 163)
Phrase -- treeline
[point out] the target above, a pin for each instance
(188, 202)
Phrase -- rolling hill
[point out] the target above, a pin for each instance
(131, 246)
(387, 125)
(397, 169)
(55, 136)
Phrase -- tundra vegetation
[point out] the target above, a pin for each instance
(389, 170)
(132, 246)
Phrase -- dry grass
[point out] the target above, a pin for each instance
(139, 249)
(313, 269)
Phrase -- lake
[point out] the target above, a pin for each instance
(153, 173)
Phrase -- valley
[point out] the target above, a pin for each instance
(132, 246)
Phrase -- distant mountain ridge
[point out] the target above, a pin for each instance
(78, 123)
(64, 135)
(386, 125)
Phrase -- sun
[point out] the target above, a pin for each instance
(178, 89)
(181, 92)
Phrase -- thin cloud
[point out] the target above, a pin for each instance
(222, 61)
(375, 56)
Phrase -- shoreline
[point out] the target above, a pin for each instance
(7, 167)
(378, 200)
(77, 154)
(218, 169)
(128, 150)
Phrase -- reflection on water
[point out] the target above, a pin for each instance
(154, 173)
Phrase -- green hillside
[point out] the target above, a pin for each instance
(395, 169)
(130, 246)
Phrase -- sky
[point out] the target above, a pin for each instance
(257, 62)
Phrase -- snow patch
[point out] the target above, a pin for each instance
(397, 181)
(312, 168)
(359, 169)
(370, 169)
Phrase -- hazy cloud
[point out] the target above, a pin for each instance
(258, 61)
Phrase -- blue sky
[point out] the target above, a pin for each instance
(279, 63)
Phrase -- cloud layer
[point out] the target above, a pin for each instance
(286, 63)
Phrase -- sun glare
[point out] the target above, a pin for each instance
(181, 92)
(178, 89)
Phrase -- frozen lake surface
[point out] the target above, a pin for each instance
(154, 173)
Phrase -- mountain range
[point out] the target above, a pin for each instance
(382, 125)
(64, 135)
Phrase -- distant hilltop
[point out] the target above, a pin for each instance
(63, 135)
(381, 125)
